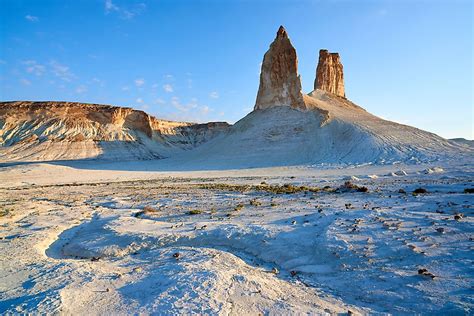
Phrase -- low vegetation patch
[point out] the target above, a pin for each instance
(147, 210)
(351, 187)
(5, 212)
(255, 202)
(238, 207)
(195, 212)
(277, 189)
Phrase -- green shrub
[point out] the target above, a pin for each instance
(194, 212)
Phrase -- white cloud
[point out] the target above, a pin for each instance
(125, 88)
(61, 71)
(31, 18)
(214, 95)
(139, 82)
(25, 82)
(159, 101)
(99, 82)
(110, 6)
(205, 110)
(191, 111)
(183, 107)
(81, 89)
(139, 100)
(168, 76)
(125, 13)
(33, 67)
(168, 88)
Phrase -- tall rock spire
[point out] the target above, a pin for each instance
(330, 74)
(280, 84)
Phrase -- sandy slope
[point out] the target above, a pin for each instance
(334, 131)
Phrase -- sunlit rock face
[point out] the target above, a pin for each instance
(330, 74)
(280, 84)
(44, 131)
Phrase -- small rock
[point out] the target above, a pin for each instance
(420, 191)
(176, 255)
(275, 271)
(425, 272)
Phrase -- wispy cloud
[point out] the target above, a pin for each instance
(205, 109)
(183, 107)
(139, 82)
(33, 67)
(190, 111)
(139, 100)
(110, 6)
(81, 89)
(159, 101)
(214, 95)
(98, 82)
(126, 13)
(61, 71)
(168, 88)
(25, 82)
(31, 18)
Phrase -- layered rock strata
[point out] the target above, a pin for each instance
(329, 73)
(280, 84)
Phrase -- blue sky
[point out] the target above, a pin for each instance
(408, 61)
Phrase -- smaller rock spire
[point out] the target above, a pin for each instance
(330, 74)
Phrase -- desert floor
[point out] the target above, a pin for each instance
(91, 238)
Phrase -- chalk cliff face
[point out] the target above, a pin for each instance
(280, 84)
(69, 130)
(329, 74)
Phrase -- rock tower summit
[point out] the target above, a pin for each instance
(280, 84)
(330, 74)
